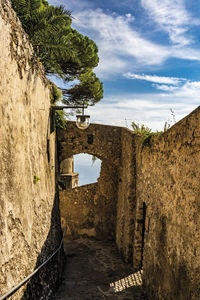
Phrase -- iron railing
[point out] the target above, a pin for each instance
(16, 288)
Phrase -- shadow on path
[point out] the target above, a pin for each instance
(95, 270)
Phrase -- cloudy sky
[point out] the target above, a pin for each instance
(149, 57)
(88, 170)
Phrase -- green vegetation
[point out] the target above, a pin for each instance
(89, 91)
(147, 134)
(140, 129)
(61, 119)
(36, 178)
(55, 93)
(62, 50)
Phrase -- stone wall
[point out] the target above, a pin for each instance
(91, 209)
(155, 197)
(105, 143)
(126, 205)
(115, 198)
(77, 208)
(102, 141)
(29, 220)
(163, 177)
(106, 202)
(168, 183)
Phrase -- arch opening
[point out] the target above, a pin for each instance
(88, 209)
(88, 167)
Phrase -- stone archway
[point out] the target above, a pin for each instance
(91, 209)
(100, 140)
(109, 207)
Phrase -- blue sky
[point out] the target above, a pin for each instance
(88, 170)
(149, 54)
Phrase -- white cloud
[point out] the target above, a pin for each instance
(164, 87)
(190, 90)
(130, 17)
(186, 53)
(118, 42)
(178, 87)
(171, 16)
(155, 78)
(121, 46)
(152, 109)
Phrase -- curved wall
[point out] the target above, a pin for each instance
(29, 222)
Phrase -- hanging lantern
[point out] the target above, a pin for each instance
(82, 121)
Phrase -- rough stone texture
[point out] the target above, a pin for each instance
(157, 203)
(115, 197)
(164, 177)
(78, 211)
(29, 226)
(105, 201)
(168, 182)
(105, 143)
(95, 270)
(91, 209)
(102, 141)
(126, 206)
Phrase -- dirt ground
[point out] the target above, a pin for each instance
(95, 270)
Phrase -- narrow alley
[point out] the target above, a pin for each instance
(95, 270)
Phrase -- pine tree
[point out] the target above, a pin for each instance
(89, 91)
(62, 50)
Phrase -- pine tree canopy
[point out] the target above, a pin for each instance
(62, 50)
(89, 91)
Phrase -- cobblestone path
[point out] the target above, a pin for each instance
(94, 270)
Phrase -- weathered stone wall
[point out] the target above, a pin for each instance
(96, 140)
(29, 223)
(102, 141)
(168, 182)
(126, 206)
(106, 202)
(158, 184)
(164, 177)
(115, 198)
(77, 208)
(91, 209)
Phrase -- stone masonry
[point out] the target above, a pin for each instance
(147, 197)
(92, 141)
(168, 175)
(29, 213)
(155, 200)
(114, 198)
